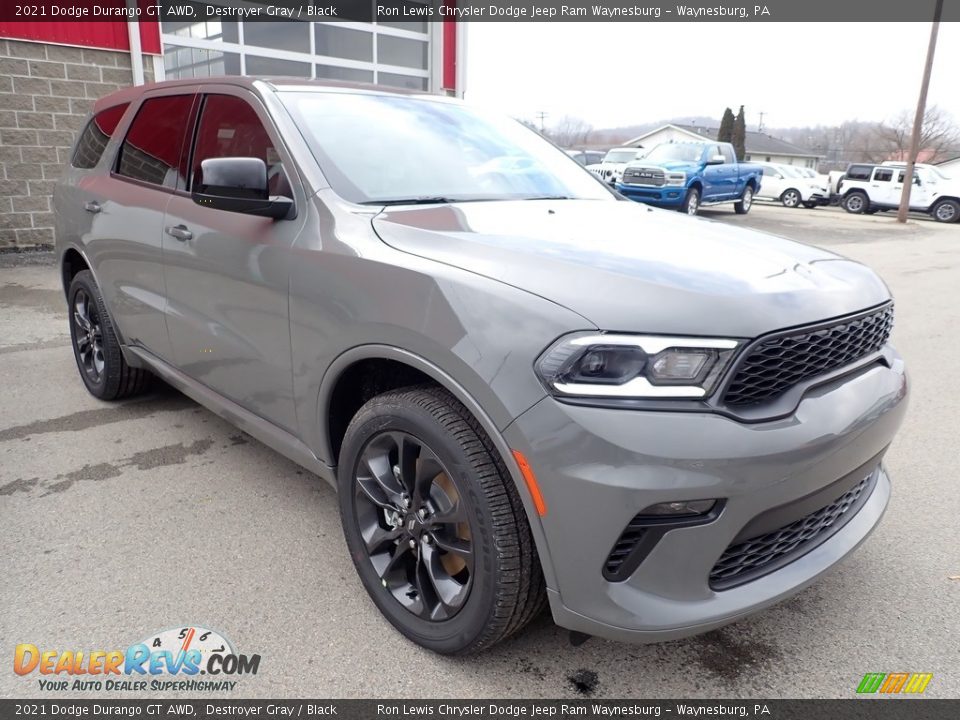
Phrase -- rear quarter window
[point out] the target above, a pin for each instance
(152, 151)
(95, 136)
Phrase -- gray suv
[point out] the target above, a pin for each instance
(525, 389)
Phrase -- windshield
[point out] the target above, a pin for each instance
(620, 156)
(673, 152)
(391, 148)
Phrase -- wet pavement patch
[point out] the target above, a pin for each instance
(584, 682)
(86, 419)
(14, 295)
(168, 455)
(720, 654)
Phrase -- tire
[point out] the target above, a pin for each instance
(691, 202)
(856, 202)
(96, 347)
(743, 205)
(946, 211)
(791, 198)
(809, 204)
(474, 535)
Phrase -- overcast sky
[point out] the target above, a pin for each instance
(796, 73)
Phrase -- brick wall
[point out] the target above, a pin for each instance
(46, 92)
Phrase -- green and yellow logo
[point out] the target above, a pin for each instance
(893, 683)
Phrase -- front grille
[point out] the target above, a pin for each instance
(758, 556)
(774, 366)
(644, 176)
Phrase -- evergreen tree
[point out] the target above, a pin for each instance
(725, 134)
(740, 135)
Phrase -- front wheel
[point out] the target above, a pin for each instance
(946, 211)
(790, 198)
(691, 202)
(434, 524)
(743, 205)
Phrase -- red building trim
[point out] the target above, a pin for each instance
(448, 79)
(106, 35)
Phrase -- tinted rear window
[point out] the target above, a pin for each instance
(93, 141)
(152, 151)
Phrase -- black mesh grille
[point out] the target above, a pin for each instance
(776, 365)
(748, 560)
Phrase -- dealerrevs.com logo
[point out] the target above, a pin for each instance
(169, 660)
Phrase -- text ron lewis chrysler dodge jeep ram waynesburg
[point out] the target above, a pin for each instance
(524, 388)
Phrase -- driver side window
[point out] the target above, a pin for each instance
(229, 127)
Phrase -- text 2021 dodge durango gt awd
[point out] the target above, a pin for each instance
(524, 388)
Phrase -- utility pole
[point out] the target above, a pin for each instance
(542, 115)
(918, 119)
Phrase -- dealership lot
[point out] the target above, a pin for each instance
(119, 521)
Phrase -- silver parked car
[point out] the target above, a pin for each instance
(525, 389)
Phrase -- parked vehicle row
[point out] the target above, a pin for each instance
(690, 175)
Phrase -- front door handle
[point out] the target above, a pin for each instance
(92, 206)
(180, 232)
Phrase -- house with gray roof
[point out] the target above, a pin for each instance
(760, 147)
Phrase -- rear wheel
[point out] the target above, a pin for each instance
(856, 203)
(946, 211)
(743, 205)
(434, 524)
(790, 198)
(96, 347)
(691, 202)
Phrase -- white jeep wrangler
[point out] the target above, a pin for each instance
(872, 188)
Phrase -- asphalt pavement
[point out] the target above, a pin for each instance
(121, 520)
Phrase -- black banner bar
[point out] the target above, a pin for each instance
(858, 11)
(875, 708)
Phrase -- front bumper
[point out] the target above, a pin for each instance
(666, 196)
(597, 468)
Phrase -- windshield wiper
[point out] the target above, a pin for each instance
(423, 200)
(547, 197)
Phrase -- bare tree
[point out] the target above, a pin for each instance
(939, 136)
(570, 132)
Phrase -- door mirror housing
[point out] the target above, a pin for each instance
(239, 184)
(716, 160)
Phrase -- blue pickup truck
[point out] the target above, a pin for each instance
(688, 175)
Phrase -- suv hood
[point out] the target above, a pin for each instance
(626, 267)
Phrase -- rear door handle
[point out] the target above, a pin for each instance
(92, 206)
(180, 232)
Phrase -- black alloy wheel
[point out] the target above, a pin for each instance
(414, 525)
(88, 335)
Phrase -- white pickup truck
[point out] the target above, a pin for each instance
(873, 188)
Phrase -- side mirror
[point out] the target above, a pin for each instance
(916, 181)
(239, 184)
(716, 160)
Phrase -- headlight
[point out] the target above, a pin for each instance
(635, 366)
(677, 179)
